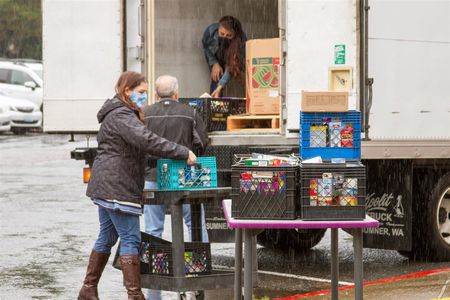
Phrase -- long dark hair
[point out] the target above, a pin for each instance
(234, 56)
(130, 80)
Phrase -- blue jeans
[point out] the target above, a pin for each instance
(115, 224)
(154, 216)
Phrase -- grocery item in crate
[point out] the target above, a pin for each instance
(318, 137)
(313, 192)
(263, 182)
(194, 176)
(334, 128)
(144, 253)
(177, 175)
(265, 160)
(197, 259)
(160, 263)
(325, 190)
(264, 192)
(195, 262)
(347, 136)
(333, 189)
(340, 139)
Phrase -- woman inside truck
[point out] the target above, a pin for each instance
(224, 49)
(117, 181)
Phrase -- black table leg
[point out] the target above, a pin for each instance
(177, 240)
(196, 223)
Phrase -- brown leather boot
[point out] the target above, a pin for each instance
(97, 263)
(131, 270)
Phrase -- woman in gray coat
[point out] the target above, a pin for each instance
(117, 181)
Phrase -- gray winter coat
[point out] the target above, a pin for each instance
(123, 142)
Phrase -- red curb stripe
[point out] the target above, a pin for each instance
(385, 280)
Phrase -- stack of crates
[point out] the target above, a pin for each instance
(336, 188)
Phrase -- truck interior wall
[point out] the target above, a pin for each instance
(179, 27)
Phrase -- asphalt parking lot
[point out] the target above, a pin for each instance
(48, 227)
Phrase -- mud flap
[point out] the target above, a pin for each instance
(218, 231)
(389, 200)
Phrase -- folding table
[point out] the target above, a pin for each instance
(249, 228)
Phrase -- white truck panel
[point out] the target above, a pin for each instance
(82, 57)
(134, 50)
(409, 59)
(420, 20)
(313, 29)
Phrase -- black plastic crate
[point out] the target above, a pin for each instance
(197, 258)
(146, 241)
(215, 111)
(264, 192)
(333, 191)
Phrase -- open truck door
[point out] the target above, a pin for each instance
(82, 61)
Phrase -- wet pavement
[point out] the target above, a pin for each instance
(48, 227)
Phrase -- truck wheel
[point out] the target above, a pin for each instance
(433, 240)
(298, 240)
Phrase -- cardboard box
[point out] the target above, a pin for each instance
(262, 76)
(324, 101)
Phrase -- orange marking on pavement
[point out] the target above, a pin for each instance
(385, 280)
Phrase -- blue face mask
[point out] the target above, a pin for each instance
(139, 99)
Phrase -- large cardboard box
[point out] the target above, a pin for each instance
(324, 101)
(263, 76)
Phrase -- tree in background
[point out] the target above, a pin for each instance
(20, 29)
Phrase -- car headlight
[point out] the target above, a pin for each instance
(12, 108)
(36, 109)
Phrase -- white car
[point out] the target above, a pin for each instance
(5, 118)
(18, 80)
(24, 114)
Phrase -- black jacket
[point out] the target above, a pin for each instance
(178, 123)
(123, 143)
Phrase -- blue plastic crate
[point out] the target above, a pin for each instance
(322, 147)
(178, 175)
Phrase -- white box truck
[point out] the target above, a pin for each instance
(392, 56)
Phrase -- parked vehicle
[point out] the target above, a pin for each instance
(393, 64)
(21, 80)
(5, 118)
(24, 114)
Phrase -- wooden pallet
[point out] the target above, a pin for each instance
(254, 123)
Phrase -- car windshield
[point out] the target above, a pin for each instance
(38, 72)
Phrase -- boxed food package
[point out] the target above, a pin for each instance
(324, 101)
(262, 76)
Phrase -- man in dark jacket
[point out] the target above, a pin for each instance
(177, 123)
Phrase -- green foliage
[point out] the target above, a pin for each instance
(21, 29)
